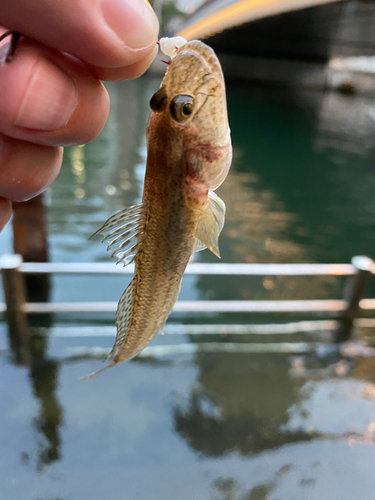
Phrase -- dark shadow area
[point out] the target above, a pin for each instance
(304, 35)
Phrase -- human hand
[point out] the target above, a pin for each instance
(50, 93)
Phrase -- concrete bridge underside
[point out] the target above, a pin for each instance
(284, 42)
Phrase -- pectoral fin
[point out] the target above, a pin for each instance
(211, 224)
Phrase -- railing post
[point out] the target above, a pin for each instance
(14, 292)
(354, 292)
(30, 241)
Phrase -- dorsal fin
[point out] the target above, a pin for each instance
(211, 224)
(121, 232)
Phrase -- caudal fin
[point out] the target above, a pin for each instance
(95, 374)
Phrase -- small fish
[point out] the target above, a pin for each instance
(189, 154)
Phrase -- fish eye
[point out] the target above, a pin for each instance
(182, 107)
(187, 108)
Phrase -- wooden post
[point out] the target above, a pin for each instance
(354, 292)
(14, 292)
(30, 241)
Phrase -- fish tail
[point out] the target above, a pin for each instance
(95, 374)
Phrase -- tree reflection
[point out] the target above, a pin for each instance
(214, 436)
(259, 228)
(241, 404)
(228, 488)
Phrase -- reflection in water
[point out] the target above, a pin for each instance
(224, 489)
(257, 223)
(241, 404)
(213, 435)
(312, 155)
(229, 489)
(296, 192)
(258, 230)
(346, 132)
(364, 369)
(43, 376)
(77, 156)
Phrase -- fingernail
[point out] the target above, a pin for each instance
(49, 101)
(133, 21)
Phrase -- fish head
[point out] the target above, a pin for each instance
(191, 101)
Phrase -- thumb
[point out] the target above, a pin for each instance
(104, 33)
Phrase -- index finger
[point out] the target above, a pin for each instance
(110, 34)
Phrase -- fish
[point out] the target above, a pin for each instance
(189, 154)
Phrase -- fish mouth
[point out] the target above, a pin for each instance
(210, 82)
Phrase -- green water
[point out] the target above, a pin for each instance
(204, 426)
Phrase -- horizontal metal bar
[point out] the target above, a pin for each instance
(195, 268)
(203, 306)
(209, 347)
(367, 304)
(364, 322)
(352, 350)
(210, 329)
(217, 306)
(195, 329)
(70, 307)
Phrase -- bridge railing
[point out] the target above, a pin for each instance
(358, 274)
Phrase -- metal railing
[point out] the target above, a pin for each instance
(358, 274)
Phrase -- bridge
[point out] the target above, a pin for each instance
(298, 37)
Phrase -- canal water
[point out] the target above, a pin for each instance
(199, 424)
